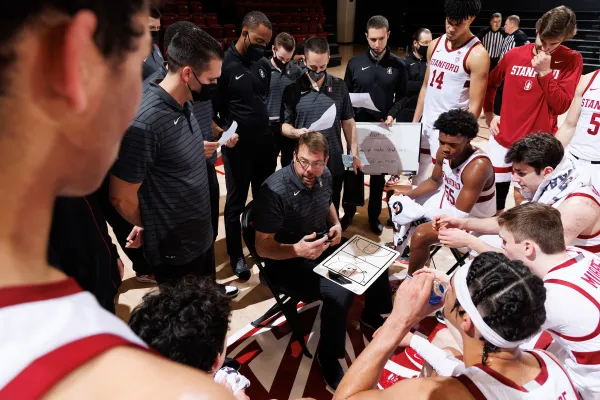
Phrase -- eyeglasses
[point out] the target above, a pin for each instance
(424, 43)
(305, 164)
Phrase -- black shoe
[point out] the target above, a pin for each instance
(230, 291)
(376, 227)
(232, 363)
(331, 369)
(405, 254)
(240, 269)
(370, 320)
(346, 221)
(389, 222)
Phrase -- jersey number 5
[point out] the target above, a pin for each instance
(595, 121)
(439, 79)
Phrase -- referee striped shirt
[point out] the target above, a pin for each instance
(163, 150)
(492, 41)
(517, 39)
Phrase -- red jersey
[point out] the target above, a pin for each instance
(532, 104)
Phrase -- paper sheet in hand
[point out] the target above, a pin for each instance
(348, 158)
(228, 134)
(359, 260)
(325, 122)
(362, 100)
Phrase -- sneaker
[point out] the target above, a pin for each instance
(230, 291)
(232, 363)
(393, 180)
(145, 278)
(331, 369)
(389, 222)
(371, 321)
(403, 258)
(346, 221)
(240, 269)
(440, 317)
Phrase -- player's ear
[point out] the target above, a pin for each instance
(529, 248)
(547, 171)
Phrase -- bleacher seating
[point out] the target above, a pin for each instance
(301, 18)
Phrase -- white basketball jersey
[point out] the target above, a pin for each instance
(591, 242)
(586, 140)
(449, 80)
(551, 384)
(50, 330)
(453, 184)
(573, 316)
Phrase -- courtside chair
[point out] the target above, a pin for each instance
(460, 258)
(285, 303)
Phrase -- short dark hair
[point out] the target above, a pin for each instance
(417, 35)
(316, 142)
(179, 26)
(508, 296)
(285, 40)
(155, 13)
(558, 22)
(460, 10)
(185, 321)
(377, 22)
(317, 45)
(495, 15)
(538, 150)
(114, 35)
(514, 19)
(538, 222)
(194, 48)
(254, 19)
(457, 122)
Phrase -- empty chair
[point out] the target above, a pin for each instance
(183, 9)
(216, 31)
(185, 17)
(170, 8)
(196, 7)
(211, 19)
(303, 29)
(230, 31)
(168, 19)
(198, 19)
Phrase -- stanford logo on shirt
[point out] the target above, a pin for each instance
(262, 73)
(528, 85)
(389, 70)
(529, 72)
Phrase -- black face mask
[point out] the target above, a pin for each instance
(206, 93)
(155, 36)
(315, 76)
(254, 52)
(422, 50)
(280, 64)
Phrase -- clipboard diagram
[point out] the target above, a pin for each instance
(359, 262)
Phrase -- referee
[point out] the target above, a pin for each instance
(242, 97)
(283, 73)
(381, 74)
(307, 99)
(492, 39)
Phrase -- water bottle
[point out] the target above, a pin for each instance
(438, 291)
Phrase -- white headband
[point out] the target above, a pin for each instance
(464, 298)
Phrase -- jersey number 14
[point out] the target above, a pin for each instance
(437, 78)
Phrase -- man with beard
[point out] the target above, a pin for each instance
(293, 205)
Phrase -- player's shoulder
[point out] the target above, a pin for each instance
(439, 388)
(586, 196)
(480, 165)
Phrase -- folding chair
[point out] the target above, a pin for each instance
(460, 258)
(285, 303)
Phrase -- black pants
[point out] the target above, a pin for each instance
(122, 229)
(248, 163)
(215, 194)
(286, 146)
(204, 265)
(377, 184)
(494, 62)
(296, 276)
(498, 100)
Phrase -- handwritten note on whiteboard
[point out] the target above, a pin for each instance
(390, 150)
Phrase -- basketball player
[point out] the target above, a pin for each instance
(467, 177)
(59, 136)
(491, 320)
(580, 130)
(456, 76)
(546, 177)
(532, 233)
(541, 77)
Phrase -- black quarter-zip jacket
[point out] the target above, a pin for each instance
(385, 80)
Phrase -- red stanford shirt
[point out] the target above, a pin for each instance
(530, 103)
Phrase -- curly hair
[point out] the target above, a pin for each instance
(508, 296)
(460, 10)
(538, 150)
(457, 122)
(186, 321)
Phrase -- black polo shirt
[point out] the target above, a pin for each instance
(153, 63)
(289, 209)
(163, 150)
(155, 77)
(384, 80)
(415, 74)
(203, 110)
(242, 94)
(302, 105)
(279, 81)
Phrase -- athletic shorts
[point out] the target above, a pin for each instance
(496, 153)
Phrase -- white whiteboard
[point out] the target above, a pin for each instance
(390, 150)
